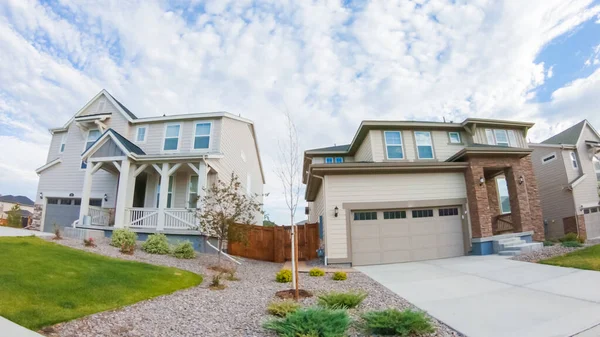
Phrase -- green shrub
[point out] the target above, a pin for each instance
(337, 300)
(316, 272)
(216, 284)
(548, 243)
(571, 244)
(156, 244)
(282, 308)
(123, 236)
(184, 250)
(340, 276)
(568, 237)
(395, 322)
(283, 276)
(317, 322)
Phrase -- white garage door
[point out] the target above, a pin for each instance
(390, 236)
(592, 222)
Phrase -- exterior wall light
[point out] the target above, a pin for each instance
(41, 195)
(105, 197)
(521, 180)
(71, 194)
(481, 181)
(336, 211)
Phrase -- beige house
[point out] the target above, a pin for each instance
(409, 191)
(7, 202)
(568, 173)
(107, 168)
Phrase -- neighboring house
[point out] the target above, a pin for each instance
(143, 173)
(7, 202)
(568, 173)
(408, 191)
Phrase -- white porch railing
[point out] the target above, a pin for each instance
(180, 218)
(141, 217)
(100, 216)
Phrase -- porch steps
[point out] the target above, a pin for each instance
(515, 246)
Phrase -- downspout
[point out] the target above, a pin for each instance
(325, 208)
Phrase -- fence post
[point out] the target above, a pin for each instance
(278, 244)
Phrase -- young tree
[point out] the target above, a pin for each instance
(290, 174)
(225, 205)
(14, 217)
(267, 222)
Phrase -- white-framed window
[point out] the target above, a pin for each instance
(141, 134)
(424, 145)
(454, 137)
(339, 160)
(512, 138)
(503, 196)
(393, 145)
(192, 191)
(490, 137)
(169, 192)
(172, 134)
(501, 137)
(549, 158)
(248, 184)
(201, 135)
(63, 143)
(92, 137)
(329, 160)
(573, 157)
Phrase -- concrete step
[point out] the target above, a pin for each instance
(510, 252)
(508, 240)
(523, 248)
(512, 244)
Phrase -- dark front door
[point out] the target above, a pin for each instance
(139, 193)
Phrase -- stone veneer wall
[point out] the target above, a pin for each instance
(36, 219)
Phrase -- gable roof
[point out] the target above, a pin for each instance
(17, 199)
(124, 144)
(569, 136)
(127, 111)
(337, 148)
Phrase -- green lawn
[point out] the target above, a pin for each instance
(43, 283)
(587, 258)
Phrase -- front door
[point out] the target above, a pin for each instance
(139, 193)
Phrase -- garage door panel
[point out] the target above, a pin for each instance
(424, 254)
(423, 241)
(394, 243)
(450, 251)
(401, 227)
(395, 256)
(366, 245)
(366, 230)
(448, 239)
(449, 225)
(366, 259)
(419, 227)
(592, 224)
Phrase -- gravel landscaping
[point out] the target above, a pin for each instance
(239, 310)
(545, 253)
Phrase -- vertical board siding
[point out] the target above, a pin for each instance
(481, 138)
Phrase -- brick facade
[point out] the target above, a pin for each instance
(483, 202)
(570, 226)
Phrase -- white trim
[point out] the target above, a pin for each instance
(491, 141)
(578, 181)
(177, 156)
(574, 161)
(63, 142)
(556, 146)
(139, 170)
(48, 165)
(544, 161)
(386, 145)
(137, 132)
(496, 138)
(197, 115)
(157, 192)
(189, 183)
(210, 136)
(97, 159)
(94, 117)
(450, 137)
(430, 144)
(162, 147)
(512, 138)
(500, 196)
(101, 141)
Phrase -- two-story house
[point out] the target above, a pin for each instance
(408, 191)
(567, 167)
(107, 168)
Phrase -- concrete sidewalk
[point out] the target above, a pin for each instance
(8, 328)
(9, 231)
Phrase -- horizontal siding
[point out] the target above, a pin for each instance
(377, 145)
(375, 188)
(443, 148)
(365, 150)
(155, 135)
(317, 207)
(586, 193)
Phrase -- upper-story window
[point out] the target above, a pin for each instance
(172, 132)
(339, 160)
(63, 143)
(597, 167)
(424, 144)
(454, 137)
(202, 136)
(549, 158)
(393, 145)
(91, 138)
(140, 135)
(574, 160)
(501, 137)
(331, 160)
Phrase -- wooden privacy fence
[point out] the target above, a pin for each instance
(275, 243)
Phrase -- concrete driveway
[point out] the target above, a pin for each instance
(486, 296)
(9, 231)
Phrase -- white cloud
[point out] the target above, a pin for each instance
(330, 65)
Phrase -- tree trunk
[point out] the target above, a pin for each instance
(220, 249)
(296, 295)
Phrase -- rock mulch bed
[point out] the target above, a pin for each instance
(545, 253)
(238, 310)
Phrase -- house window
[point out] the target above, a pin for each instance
(169, 194)
(329, 160)
(448, 211)
(424, 145)
(365, 216)
(140, 136)
(63, 142)
(91, 138)
(202, 136)
(52, 201)
(549, 158)
(501, 137)
(393, 145)
(193, 192)
(512, 138)
(574, 160)
(490, 137)
(96, 202)
(172, 137)
(454, 137)
(339, 160)
(504, 198)
(422, 213)
(389, 215)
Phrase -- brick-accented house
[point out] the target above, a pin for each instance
(408, 191)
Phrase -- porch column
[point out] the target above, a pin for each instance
(202, 178)
(164, 193)
(477, 197)
(519, 200)
(122, 192)
(86, 193)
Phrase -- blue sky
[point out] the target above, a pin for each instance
(332, 64)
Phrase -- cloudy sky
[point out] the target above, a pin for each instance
(331, 63)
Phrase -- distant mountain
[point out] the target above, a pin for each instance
(17, 199)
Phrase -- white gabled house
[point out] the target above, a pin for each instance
(142, 173)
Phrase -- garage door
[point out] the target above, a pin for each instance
(63, 211)
(592, 222)
(403, 235)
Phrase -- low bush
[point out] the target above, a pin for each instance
(89, 242)
(283, 276)
(316, 272)
(312, 322)
(283, 308)
(394, 322)
(338, 300)
(571, 244)
(123, 236)
(548, 243)
(215, 283)
(184, 250)
(127, 248)
(156, 244)
(57, 234)
(340, 276)
(568, 237)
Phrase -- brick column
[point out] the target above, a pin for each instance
(493, 202)
(477, 197)
(535, 221)
(519, 203)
